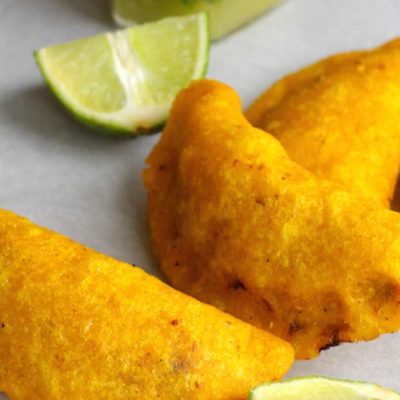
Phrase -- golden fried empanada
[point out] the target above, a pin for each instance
(75, 324)
(236, 223)
(340, 118)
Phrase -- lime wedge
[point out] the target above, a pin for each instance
(319, 388)
(125, 82)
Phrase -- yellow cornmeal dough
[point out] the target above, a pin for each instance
(75, 324)
(236, 223)
(340, 118)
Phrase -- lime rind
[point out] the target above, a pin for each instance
(364, 390)
(121, 21)
(132, 118)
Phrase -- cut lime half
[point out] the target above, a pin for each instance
(225, 15)
(125, 82)
(319, 388)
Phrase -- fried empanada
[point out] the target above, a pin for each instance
(340, 118)
(236, 223)
(75, 324)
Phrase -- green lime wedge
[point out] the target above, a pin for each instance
(319, 388)
(125, 82)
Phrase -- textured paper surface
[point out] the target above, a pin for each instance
(89, 187)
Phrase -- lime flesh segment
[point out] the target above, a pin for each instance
(319, 388)
(125, 82)
(225, 15)
(84, 69)
(164, 74)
